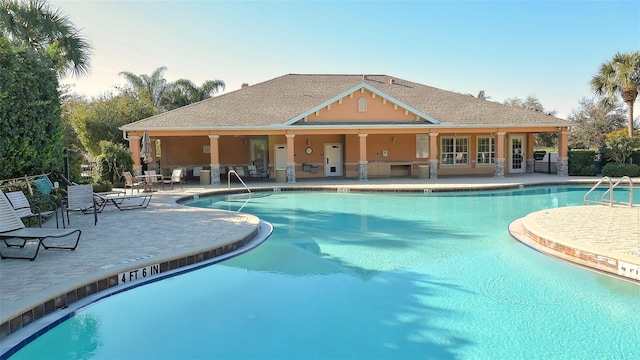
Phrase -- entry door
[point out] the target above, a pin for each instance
(259, 154)
(333, 160)
(517, 154)
(280, 156)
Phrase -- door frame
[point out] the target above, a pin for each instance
(265, 158)
(522, 153)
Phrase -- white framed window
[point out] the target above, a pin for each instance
(362, 104)
(454, 151)
(486, 150)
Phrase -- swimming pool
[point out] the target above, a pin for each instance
(369, 275)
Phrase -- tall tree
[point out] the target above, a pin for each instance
(532, 103)
(619, 76)
(30, 128)
(184, 92)
(36, 24)
(151, 86)
(99, 119)
(594, 120)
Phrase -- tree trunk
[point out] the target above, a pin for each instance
(630, 118)
(629, 97)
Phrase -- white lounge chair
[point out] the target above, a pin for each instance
(122, 201)
(12, 229)
(24, 209)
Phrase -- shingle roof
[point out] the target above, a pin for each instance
(284, 98)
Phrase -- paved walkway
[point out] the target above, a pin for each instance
(166, 231)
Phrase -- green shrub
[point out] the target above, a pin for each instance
(102, 186)
(112, 162)
(635, 158)
(579, 159)
(588, 171)
(618, 170)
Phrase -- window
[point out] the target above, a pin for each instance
(455, 151)
(362, 104)
(486, 150)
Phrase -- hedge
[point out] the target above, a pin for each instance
(579, 160)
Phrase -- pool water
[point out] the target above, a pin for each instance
(369, 275)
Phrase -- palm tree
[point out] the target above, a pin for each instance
(619, 76)
(184, 92)
(154, 86)
(34, 23)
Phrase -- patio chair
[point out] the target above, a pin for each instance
(24, 209)
(240, 172)
(253, 172)
(129, 182)
(176, 178)
(153, 179)
(265, 175)
(81, 198)
(12, 229)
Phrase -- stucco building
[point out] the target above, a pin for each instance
(354, 126)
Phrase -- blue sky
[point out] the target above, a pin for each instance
(506, 48)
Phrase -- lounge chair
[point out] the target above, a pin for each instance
(176, 178)
(129, 182)
(122, 201)
(24, 209)
(12, 228)
(81, 198)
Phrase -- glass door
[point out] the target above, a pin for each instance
(517, 164)
(259, 154)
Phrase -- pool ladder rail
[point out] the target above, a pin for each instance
(604, 200)
(239, 178)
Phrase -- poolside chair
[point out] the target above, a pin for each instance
(267, 173)
(24, 209)
(81, 198)
(240, 172)
(129, 182)
(176, 178)
(12, 229)
(253, 172)
(153, 179)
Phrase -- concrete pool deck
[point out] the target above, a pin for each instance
(171, 236)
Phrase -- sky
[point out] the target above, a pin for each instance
(546, 49)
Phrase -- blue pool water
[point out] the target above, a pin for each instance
(369, 275)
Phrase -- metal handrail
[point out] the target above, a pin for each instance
(609, 192)
(238, 176)
(596, 186)
(630, 190)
